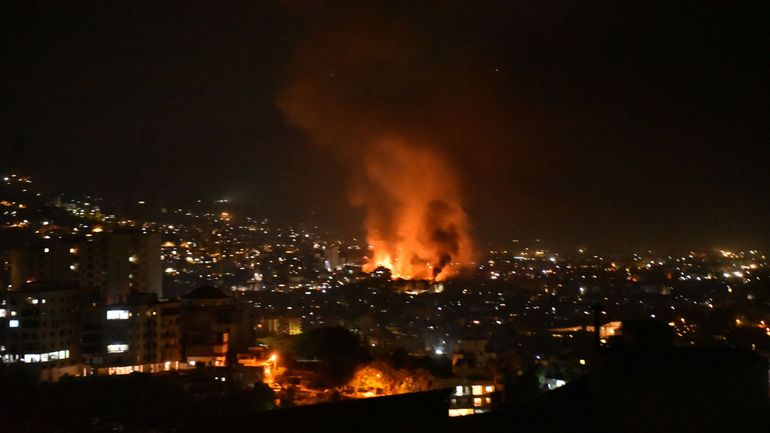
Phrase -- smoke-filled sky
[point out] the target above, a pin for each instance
(603, 124)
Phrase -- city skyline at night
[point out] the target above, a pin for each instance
(377, 216)
(620, 126)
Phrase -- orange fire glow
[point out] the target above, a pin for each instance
(363, 93)
(415, 223)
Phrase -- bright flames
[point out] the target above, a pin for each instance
(415, 223)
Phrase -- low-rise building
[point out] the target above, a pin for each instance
(142, 334)
(210, 322)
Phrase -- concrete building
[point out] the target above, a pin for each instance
(472, 397)
(119, 263)
(47, 262)
(141, 334)
(210, 325)
(40, 325)
(282, 325)
(471, 358)
(332, 258)
(112, 264)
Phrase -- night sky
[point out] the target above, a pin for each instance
(600, 124)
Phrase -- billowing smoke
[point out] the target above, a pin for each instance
(415, 221)
(390, 103)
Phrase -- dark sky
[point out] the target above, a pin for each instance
(583, 123)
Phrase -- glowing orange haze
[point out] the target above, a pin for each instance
(364, 93)
(415, 223)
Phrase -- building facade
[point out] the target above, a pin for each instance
(41, 326)
(112, 264)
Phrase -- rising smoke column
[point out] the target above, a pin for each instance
(360, 86)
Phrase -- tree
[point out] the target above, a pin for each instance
(339, 350)
(380, 377)
(262, 397)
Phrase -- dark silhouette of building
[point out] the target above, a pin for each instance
(641, 383)
(112, 264)
(40, 327)
(210, 323)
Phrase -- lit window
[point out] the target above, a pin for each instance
(477, 402)
(477, 389)
(460, 412)
(13, 323)
(459, 390)
(117, 348)
(489, 388)
(117, 314)
(31, 357)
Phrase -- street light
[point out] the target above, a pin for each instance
(271, 370)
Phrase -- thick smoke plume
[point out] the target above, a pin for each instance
(388, 102)
(415, 221)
